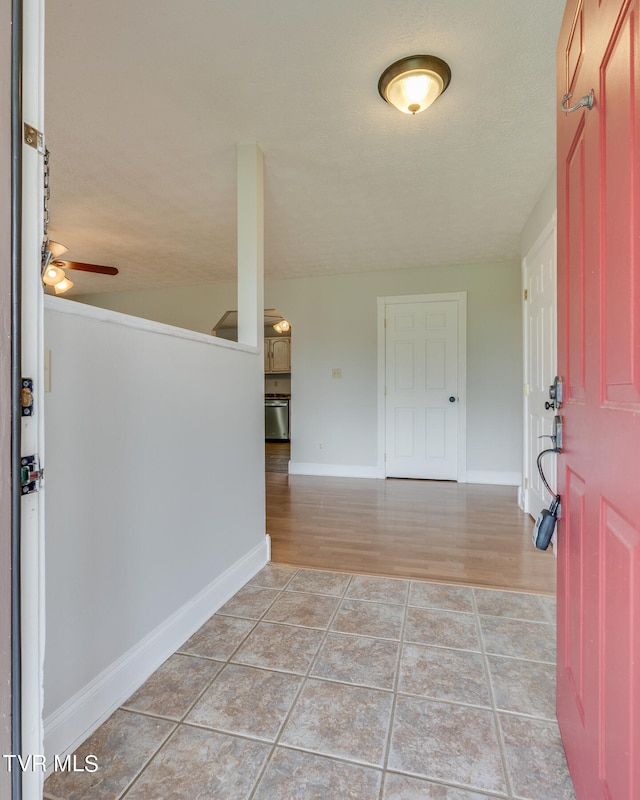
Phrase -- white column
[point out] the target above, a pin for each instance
(250, 245)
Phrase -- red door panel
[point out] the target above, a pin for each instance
(599, 359)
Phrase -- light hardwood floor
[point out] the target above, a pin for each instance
(430, 530)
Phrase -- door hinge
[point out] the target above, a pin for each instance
(526, 483)
(34, 138)
(526, 294)
(31, 476)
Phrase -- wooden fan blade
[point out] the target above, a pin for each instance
(80, 265)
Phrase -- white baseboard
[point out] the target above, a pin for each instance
(333, 470)
(355, 471)
(493, 477)
(68, 726)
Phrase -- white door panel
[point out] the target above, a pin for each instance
(421, 375)
(540, 366)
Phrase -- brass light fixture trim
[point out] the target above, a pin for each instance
(435, 74)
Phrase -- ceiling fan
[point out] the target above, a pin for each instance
(53, 273)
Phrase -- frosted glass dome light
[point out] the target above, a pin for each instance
(412, 84)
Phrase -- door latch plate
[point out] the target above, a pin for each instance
(30, 474)
(26, 397)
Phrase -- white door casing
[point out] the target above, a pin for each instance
(32, 355)
(422, 365)
(540, 365)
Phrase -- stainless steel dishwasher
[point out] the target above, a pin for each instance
(276, 419)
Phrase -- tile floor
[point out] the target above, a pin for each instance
(313, 685)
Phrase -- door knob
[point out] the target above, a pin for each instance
(452, 399)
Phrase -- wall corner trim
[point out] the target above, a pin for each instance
(69, 725)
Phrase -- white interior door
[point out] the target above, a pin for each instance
(422, 392)
(539, 271)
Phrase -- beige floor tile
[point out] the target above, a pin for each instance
(247, 701)
(526, 687)
(273, 576)
(201, 764)
(510, 604)
(250, 602)
(309, 610)
(174, 686)
(292, 775)
(272, 645)
(335, 724)
(532, 641)
(122, 745)
(218, 637)
(535, 758)
(381, 590)
(441, 595)
(454, 675)
(447, 742)
(357, 659)
(319, 582)
(550, 608)
(369, 619)
(403, 787)
(442, 628)
(335, 719)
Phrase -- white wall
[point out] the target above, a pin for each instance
(196, 308)
(540, 215)
(334, 325)
(155, 500)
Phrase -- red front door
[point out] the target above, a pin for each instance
(599, 361)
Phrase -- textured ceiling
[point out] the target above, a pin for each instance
(146, 101)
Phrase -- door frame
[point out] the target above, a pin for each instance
(383, 302)
(6, 401)
(32, 566)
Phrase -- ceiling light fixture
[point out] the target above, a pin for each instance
(63, 286)
(412, 84)
(54, 275)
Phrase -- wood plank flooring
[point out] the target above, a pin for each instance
(430, 530)
(276, 456)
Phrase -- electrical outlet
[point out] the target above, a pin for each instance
(336, 372)
(319, 445)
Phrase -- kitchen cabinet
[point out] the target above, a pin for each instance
(277, 354)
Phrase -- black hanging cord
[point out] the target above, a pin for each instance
(539, 462)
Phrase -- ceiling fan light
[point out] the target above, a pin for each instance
(56, 249)
(412, 84)
(53, 275)
(64, 285)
